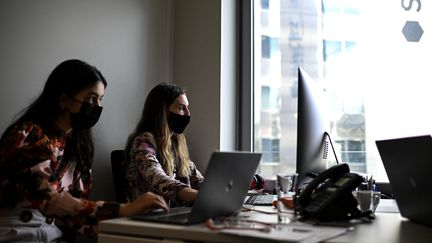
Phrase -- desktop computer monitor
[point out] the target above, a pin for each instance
(313, 125)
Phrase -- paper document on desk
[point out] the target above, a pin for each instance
(291, 233)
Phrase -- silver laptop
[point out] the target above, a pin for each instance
(408, 163)
(226, 183)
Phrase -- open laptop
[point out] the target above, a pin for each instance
(408, 163)
(226, 183)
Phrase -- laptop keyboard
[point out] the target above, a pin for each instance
(260, 200)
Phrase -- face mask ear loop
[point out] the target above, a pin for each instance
(75, 99)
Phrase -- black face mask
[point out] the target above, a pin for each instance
(177, 123)
(87, 117)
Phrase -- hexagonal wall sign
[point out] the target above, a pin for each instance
(412, 31)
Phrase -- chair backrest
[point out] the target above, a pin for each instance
(119, 175)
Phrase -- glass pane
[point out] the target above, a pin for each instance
(373, 58)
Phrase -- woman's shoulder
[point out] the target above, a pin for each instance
(26, 136)
(145, 138)
(25, 130)
(27, 126)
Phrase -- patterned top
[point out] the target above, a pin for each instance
(145, 173)
(34, 175)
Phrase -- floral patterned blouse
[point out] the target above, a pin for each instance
(145, 173)
(34, 175)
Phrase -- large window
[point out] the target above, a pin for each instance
(372, 56)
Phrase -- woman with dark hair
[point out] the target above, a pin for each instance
(157, 156)
(46, 156)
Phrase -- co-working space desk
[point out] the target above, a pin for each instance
(386, 228)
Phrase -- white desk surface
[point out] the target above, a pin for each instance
(386, 228)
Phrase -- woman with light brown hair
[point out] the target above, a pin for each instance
(157, 156)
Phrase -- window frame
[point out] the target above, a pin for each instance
(246, 78)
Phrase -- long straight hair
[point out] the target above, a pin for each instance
(68, 78)
(170, 146)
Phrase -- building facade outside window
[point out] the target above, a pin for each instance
(370, 55)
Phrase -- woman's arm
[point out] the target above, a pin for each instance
(143, 155)
(31, 153)
(145, 203)
(187, 194)
(196, 178)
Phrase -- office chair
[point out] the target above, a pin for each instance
(119, 177)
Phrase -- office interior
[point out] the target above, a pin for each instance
(136, 44)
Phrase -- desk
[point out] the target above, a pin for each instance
(386, 228)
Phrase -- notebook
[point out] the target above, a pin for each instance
(226, 183)
(408, 163)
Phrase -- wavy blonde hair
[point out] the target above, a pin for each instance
(172, 150)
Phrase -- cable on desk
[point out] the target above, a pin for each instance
(256, 210)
